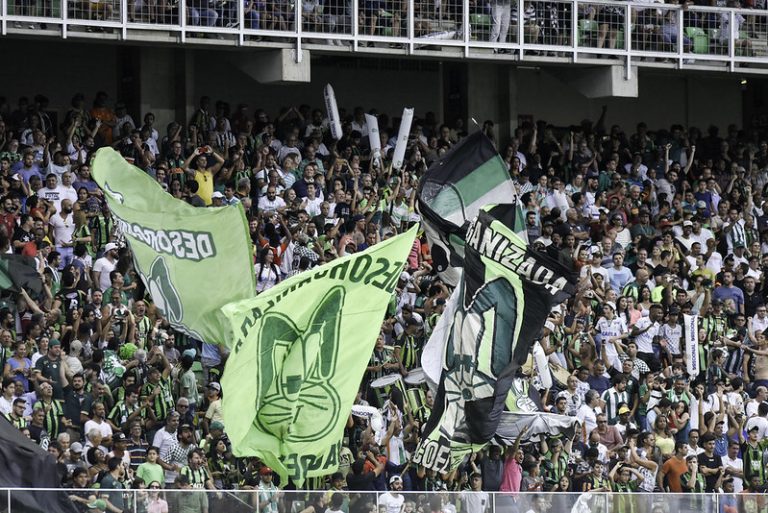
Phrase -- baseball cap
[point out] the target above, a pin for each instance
(54, 342)
(687, 223)
(110, 247)
(185, 427)
(623, 410)
(611, 304)
(593, 174)
(395, 479)
(405, 276)
(265, 471)
(76, 447)
(16, 177)
(358, 217)
(701, 204)
(118, 437)
(217, 195)
(543, 241)
(217, 425)
(214, 385)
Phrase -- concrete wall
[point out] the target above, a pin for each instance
(58, 70)
(383, 85)
(169, 80)
(663, 99)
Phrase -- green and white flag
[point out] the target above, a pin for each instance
(301, 349)
(192, 260)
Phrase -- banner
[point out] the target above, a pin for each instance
(504, 297)
(452, 192)
(20, 272)
(334, 122)
(691, 337)
(192, 260)
(27, 465)
(301, 349)
(374, 140)
(402, 139)
(513, 423)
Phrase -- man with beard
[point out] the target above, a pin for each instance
(77, 405)
(62, 231)
(8, 216)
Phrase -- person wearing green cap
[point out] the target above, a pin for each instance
(51, 369)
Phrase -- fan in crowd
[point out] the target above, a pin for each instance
(659, 224)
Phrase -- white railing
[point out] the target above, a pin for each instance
(559, 31)
(16, 500)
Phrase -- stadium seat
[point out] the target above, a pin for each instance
(481, 24)
(584, 27)
(699, 39)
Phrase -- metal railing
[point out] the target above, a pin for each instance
(16, 500)
(594, 31)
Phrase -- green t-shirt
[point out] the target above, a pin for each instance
(151, 472)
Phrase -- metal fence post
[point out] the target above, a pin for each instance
(299, 26)
(465, 28)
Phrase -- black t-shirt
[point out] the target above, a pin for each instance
(50, 369)
(20, 234)
(713, 462)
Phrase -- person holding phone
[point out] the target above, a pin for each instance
(202, 173)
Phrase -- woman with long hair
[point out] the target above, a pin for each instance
(644, 301)
(665, 442)
(679, 421)
(267, 273)
(18, 366)
(221, 464)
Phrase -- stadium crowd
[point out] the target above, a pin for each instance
(657, 222)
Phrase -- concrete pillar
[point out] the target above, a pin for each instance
(163, 85)
(276, 66)
(492, 95)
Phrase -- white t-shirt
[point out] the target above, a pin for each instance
(751, 408)
(759, 324)
(587, 417)
(266, 205)
(313, 206)
(392, 503)
(645, 340)
(63, 228)
(609, 329)
(104, 428)
(6, 406)
(738, 484)
(475, 502)
(104, 266)
(762, 426)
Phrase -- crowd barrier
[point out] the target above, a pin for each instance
(595, 32)
(235, 501)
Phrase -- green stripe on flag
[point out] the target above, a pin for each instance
(5, 278)
(476, 184)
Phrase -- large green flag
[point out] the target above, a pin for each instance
(192, 260)
(301, 349)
